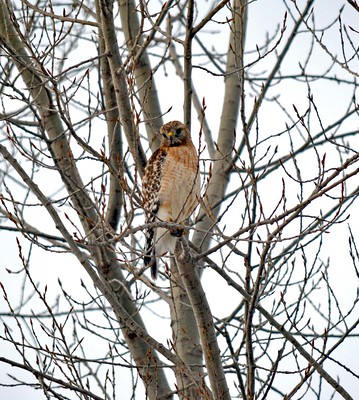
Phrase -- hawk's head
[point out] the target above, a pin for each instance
(174, 133)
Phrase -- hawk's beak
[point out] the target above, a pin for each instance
(171, 136)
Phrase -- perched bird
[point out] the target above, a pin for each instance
(171, 189)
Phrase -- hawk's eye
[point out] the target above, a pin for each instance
(164, 135)
(178, 131)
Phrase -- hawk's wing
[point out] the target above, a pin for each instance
(151, 202)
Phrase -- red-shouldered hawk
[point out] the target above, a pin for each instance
(171, 189)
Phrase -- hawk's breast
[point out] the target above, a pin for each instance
(180, 188)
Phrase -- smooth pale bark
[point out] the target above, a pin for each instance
(227, 131)
(187, 65)
(114, 139)
(185, 339)
(204, 320)
(119, 79)
(142, 70)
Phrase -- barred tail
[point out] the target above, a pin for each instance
(149, 258)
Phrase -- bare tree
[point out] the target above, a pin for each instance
(260, 299)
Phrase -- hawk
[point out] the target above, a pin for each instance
(171, 189)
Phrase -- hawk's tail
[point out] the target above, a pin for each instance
(149, 258)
